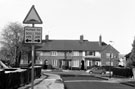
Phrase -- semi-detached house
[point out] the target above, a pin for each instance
(70, 54)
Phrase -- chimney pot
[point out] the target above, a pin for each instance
(81, 38)
(100, 40)
(47, 37)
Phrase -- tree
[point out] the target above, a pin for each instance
(131, 61)
(12, 43)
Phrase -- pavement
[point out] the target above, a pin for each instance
(46, 81)
(49, 80)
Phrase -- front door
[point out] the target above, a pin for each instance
(60, 63)
(82, 65)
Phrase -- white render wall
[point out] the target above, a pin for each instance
(97, 54)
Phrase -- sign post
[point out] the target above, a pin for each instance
(32, 72)
(32, 35)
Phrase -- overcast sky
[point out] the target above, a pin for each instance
(68, 19)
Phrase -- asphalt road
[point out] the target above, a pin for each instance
(82, 80)
(91, 82)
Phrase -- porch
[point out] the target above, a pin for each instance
(89, 62)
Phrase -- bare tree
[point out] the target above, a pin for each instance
(12, 43)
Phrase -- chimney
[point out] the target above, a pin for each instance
(81, 38)
(100, 40)
(46, 37)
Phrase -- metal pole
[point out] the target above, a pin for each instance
(32, 74)
(32, 71)
(110, 66)
(72, 59)
(110, 60)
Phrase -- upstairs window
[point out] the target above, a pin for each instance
(90, 53)
(76, 53)
(109, 55)
(54, 53)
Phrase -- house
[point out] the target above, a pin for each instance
(69, 53)
(128, 56)
(109, 56)
(74, 54)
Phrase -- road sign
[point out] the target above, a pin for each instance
(33, 34)
(32, 17)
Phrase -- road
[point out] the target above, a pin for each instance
(82, 80)
(95, 85)
(91, 82)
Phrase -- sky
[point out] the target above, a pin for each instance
(114, 20)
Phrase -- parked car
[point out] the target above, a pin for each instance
(96, 70)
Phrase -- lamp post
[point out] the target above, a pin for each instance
(110, 59)
(72, 59)
(110, 66)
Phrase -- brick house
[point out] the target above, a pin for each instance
(69, 54)
(107, 58)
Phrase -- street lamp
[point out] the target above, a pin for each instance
(110, 66)
(110, 59)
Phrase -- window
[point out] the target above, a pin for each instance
(54, 62)
(92, 53)
(75, 63)
(108, 63)
(108, 55)
(112, 55)
(76, 53)
(46, 53)
(60, 53)
(54, 53)
(88, 63)
(43, 53)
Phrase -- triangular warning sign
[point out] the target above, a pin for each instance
(32, 17)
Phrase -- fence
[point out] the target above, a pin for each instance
(14, 78)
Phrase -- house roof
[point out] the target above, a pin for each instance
(104, 47)
(128, 55)
(69, 45)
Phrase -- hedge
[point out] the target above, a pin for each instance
(123, 72)
(119, 71)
